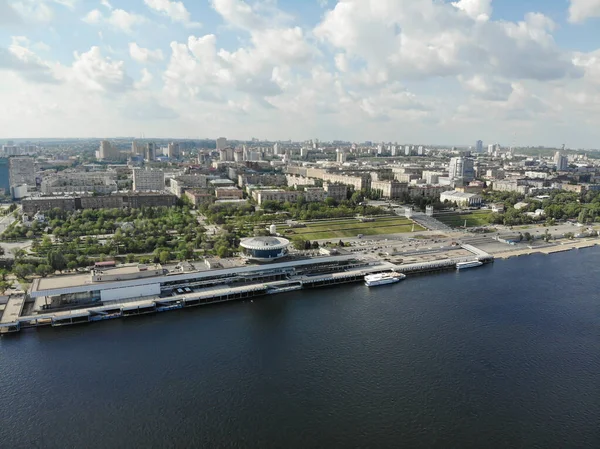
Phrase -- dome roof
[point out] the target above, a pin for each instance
(264, 243)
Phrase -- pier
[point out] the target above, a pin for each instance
(166, 293)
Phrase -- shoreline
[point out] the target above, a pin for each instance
(558, 248)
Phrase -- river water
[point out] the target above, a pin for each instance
(502, 356)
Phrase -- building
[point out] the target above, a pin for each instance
(229, 193)
(80, 182)
(497, 208)
(43, 204)
(150, 151)
(265, 249)
(314, 194)
(181, 183)
(362, 182)
(390, 189)
(21, 170)
(173, 151)
(148, 180)
(281, 196)
(341, 156)
(338, 192)
(561, 162)
(432, 177)
(510, 185)
(115, 201)
(108, 152)
(462, 168)
(462, 199)
(479, 146)
(199, 196)
(262, 179)
(221, 143)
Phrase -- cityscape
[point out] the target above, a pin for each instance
(213, 211)
(299, 224)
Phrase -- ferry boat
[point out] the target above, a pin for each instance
(373, 280)
(465, 265)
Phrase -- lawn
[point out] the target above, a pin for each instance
(332, 229)
(474, 219)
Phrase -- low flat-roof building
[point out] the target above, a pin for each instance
(462, 199)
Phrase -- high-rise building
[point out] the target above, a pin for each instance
(341, 156)
(461, 168)
(173, 150)
(21, 170)
(107, 151)
(150, 151)
(221, 143)
(479, 146)
(148, 180)
(561, 162)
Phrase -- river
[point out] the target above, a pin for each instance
(502, 356)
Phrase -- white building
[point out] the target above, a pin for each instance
(462, 199)
(148, 180)
(341, 156)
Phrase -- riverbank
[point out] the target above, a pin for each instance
(550, 249)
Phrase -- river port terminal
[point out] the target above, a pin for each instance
(132, 290)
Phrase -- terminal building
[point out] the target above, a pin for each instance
(265, 249)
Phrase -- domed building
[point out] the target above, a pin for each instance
(265, 249)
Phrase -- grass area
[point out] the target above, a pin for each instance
(474, 219)
(332, 229)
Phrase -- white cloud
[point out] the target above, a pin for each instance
(118, 18)
(239, 14)
(106, 4)
(92, 17)
(96, 73)
(476, 9)
(145, 80)
(175, 10)
(581, 10)
(33, 10)
(144, 55)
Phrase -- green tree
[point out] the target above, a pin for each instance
(164, 257)
(57, 260)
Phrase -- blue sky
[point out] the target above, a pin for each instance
(414, 71)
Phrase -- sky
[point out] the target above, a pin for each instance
(522, 72)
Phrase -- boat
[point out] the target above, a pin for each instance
(471, 264)
(373, 280)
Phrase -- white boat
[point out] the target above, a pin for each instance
(373, 280)
(465, 265)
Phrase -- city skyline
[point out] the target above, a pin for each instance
(394, 71)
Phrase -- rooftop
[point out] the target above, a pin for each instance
(264, 243)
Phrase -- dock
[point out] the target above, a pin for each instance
(205, 289)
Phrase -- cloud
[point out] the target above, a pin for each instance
(581, 10)
(144, 55)
(33, 10)
(96, 73)
(94, 16)
(20, 59)
(426, 39)
(175, 10)
(118, 18)
(479, 10)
